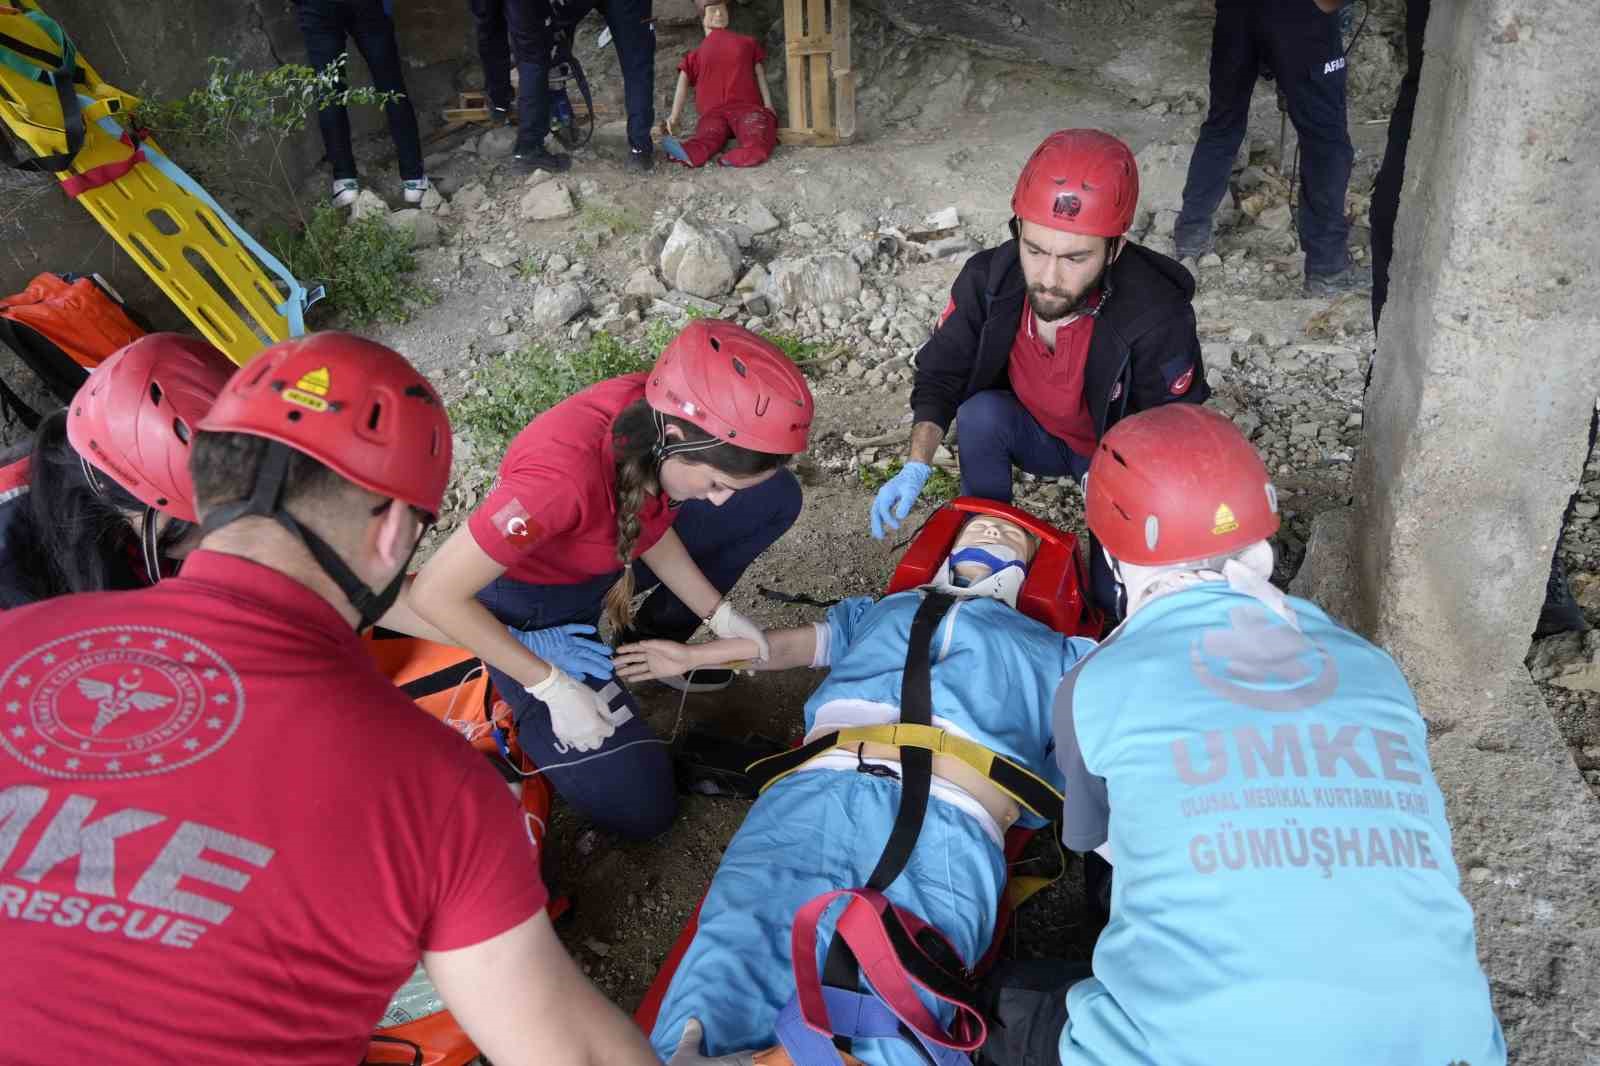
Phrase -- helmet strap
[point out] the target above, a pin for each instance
(665, 449)
(152, 551)
(266, 501)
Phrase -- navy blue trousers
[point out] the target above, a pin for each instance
(1303, 49)
(630, 790)
(325, 24)
(997, 433)
(633, 34)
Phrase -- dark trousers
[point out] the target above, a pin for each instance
(1302, 47)
(1028, 1000)
(997, 433)
(1391, 173)
(494, 49)
(325, 24)
(630, 791)
(633, 34)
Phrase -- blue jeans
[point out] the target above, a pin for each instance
(996, 433)
(1299, 44)
(325, 24)
(630, 791)
(634, 36)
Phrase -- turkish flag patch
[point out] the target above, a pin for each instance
(514, 523)
(1184, 380)
(949, 309)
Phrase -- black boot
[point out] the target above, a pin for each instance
(1560, 613)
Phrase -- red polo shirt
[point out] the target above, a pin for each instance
(551, 518)
(1050, 383)
(723, 72)
(224, 835)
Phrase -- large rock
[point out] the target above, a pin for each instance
(1162, 170)
(556, 305)
(759, 217)
(811, 281)
(546, 201)
(1568, 660)
(700, 259)
(421, 225)
(368, 204)
(497, 143)
(643, 282)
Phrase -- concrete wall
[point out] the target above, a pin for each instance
(1476, 431)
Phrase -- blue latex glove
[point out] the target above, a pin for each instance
(563, 648)
(897, 495)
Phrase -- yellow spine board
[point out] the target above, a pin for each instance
(174, 237)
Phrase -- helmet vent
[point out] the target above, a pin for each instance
(1118, 457)
(739, 368)
(180, 430)
(374, 416)
(1126, 517)
(434, 445)
(155, 393)
(716, 346)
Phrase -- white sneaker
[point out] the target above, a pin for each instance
(414, 189)
(345, 191)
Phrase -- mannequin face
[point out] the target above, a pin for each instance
(987, 531)
(715, 17)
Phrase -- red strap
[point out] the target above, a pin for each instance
(15, 477)
(862, 926)
(105, 174)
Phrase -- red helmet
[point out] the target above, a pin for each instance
(352, 404)
(1080, 181)
(133, 417)
(1176, 484)
(735, 386)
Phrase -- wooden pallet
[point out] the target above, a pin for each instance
(822, 84)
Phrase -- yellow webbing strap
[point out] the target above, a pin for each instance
(1020, 784)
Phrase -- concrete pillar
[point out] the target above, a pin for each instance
(1476, 426)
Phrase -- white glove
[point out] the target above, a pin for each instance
(725, 622)
(688, 1053)
(578, 716)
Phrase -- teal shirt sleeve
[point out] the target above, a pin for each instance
(843, 618)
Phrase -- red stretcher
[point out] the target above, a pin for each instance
(1053, 594)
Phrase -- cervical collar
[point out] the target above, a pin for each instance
(1007, 572)
(1249, 572)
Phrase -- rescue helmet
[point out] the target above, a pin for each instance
(134, 417)
(736, 386)
(358, 407)
(1177, 484)
(1080, 181)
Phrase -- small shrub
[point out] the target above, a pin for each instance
(942, 484)
(364, 263)
(516, 386)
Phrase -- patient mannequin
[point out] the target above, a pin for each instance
(730, 96)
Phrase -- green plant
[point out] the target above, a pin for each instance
(942, 484)
(616, 219)
(215, 129)
(529, 268)
(512, 388)
(363, 262)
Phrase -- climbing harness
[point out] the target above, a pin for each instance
(79, 128)
(572, 130)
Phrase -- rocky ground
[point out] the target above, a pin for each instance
(852, 250)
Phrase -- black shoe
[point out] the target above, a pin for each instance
(500, 116)
(1350, 279)
(1193, 249)
(1560, 613)
(539, 159)
(640, 160)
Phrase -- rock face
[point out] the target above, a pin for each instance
(1065, 34)
(422, 226)
(700, 259)
(556, 305)
(1568, 660)
(546, 201)
(1162, 170)
(811, 281)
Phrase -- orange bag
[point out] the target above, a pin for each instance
(62, 327)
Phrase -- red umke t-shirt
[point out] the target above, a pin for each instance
(224, 836)
(1050, 383)
(723, 72)
(551, 518)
